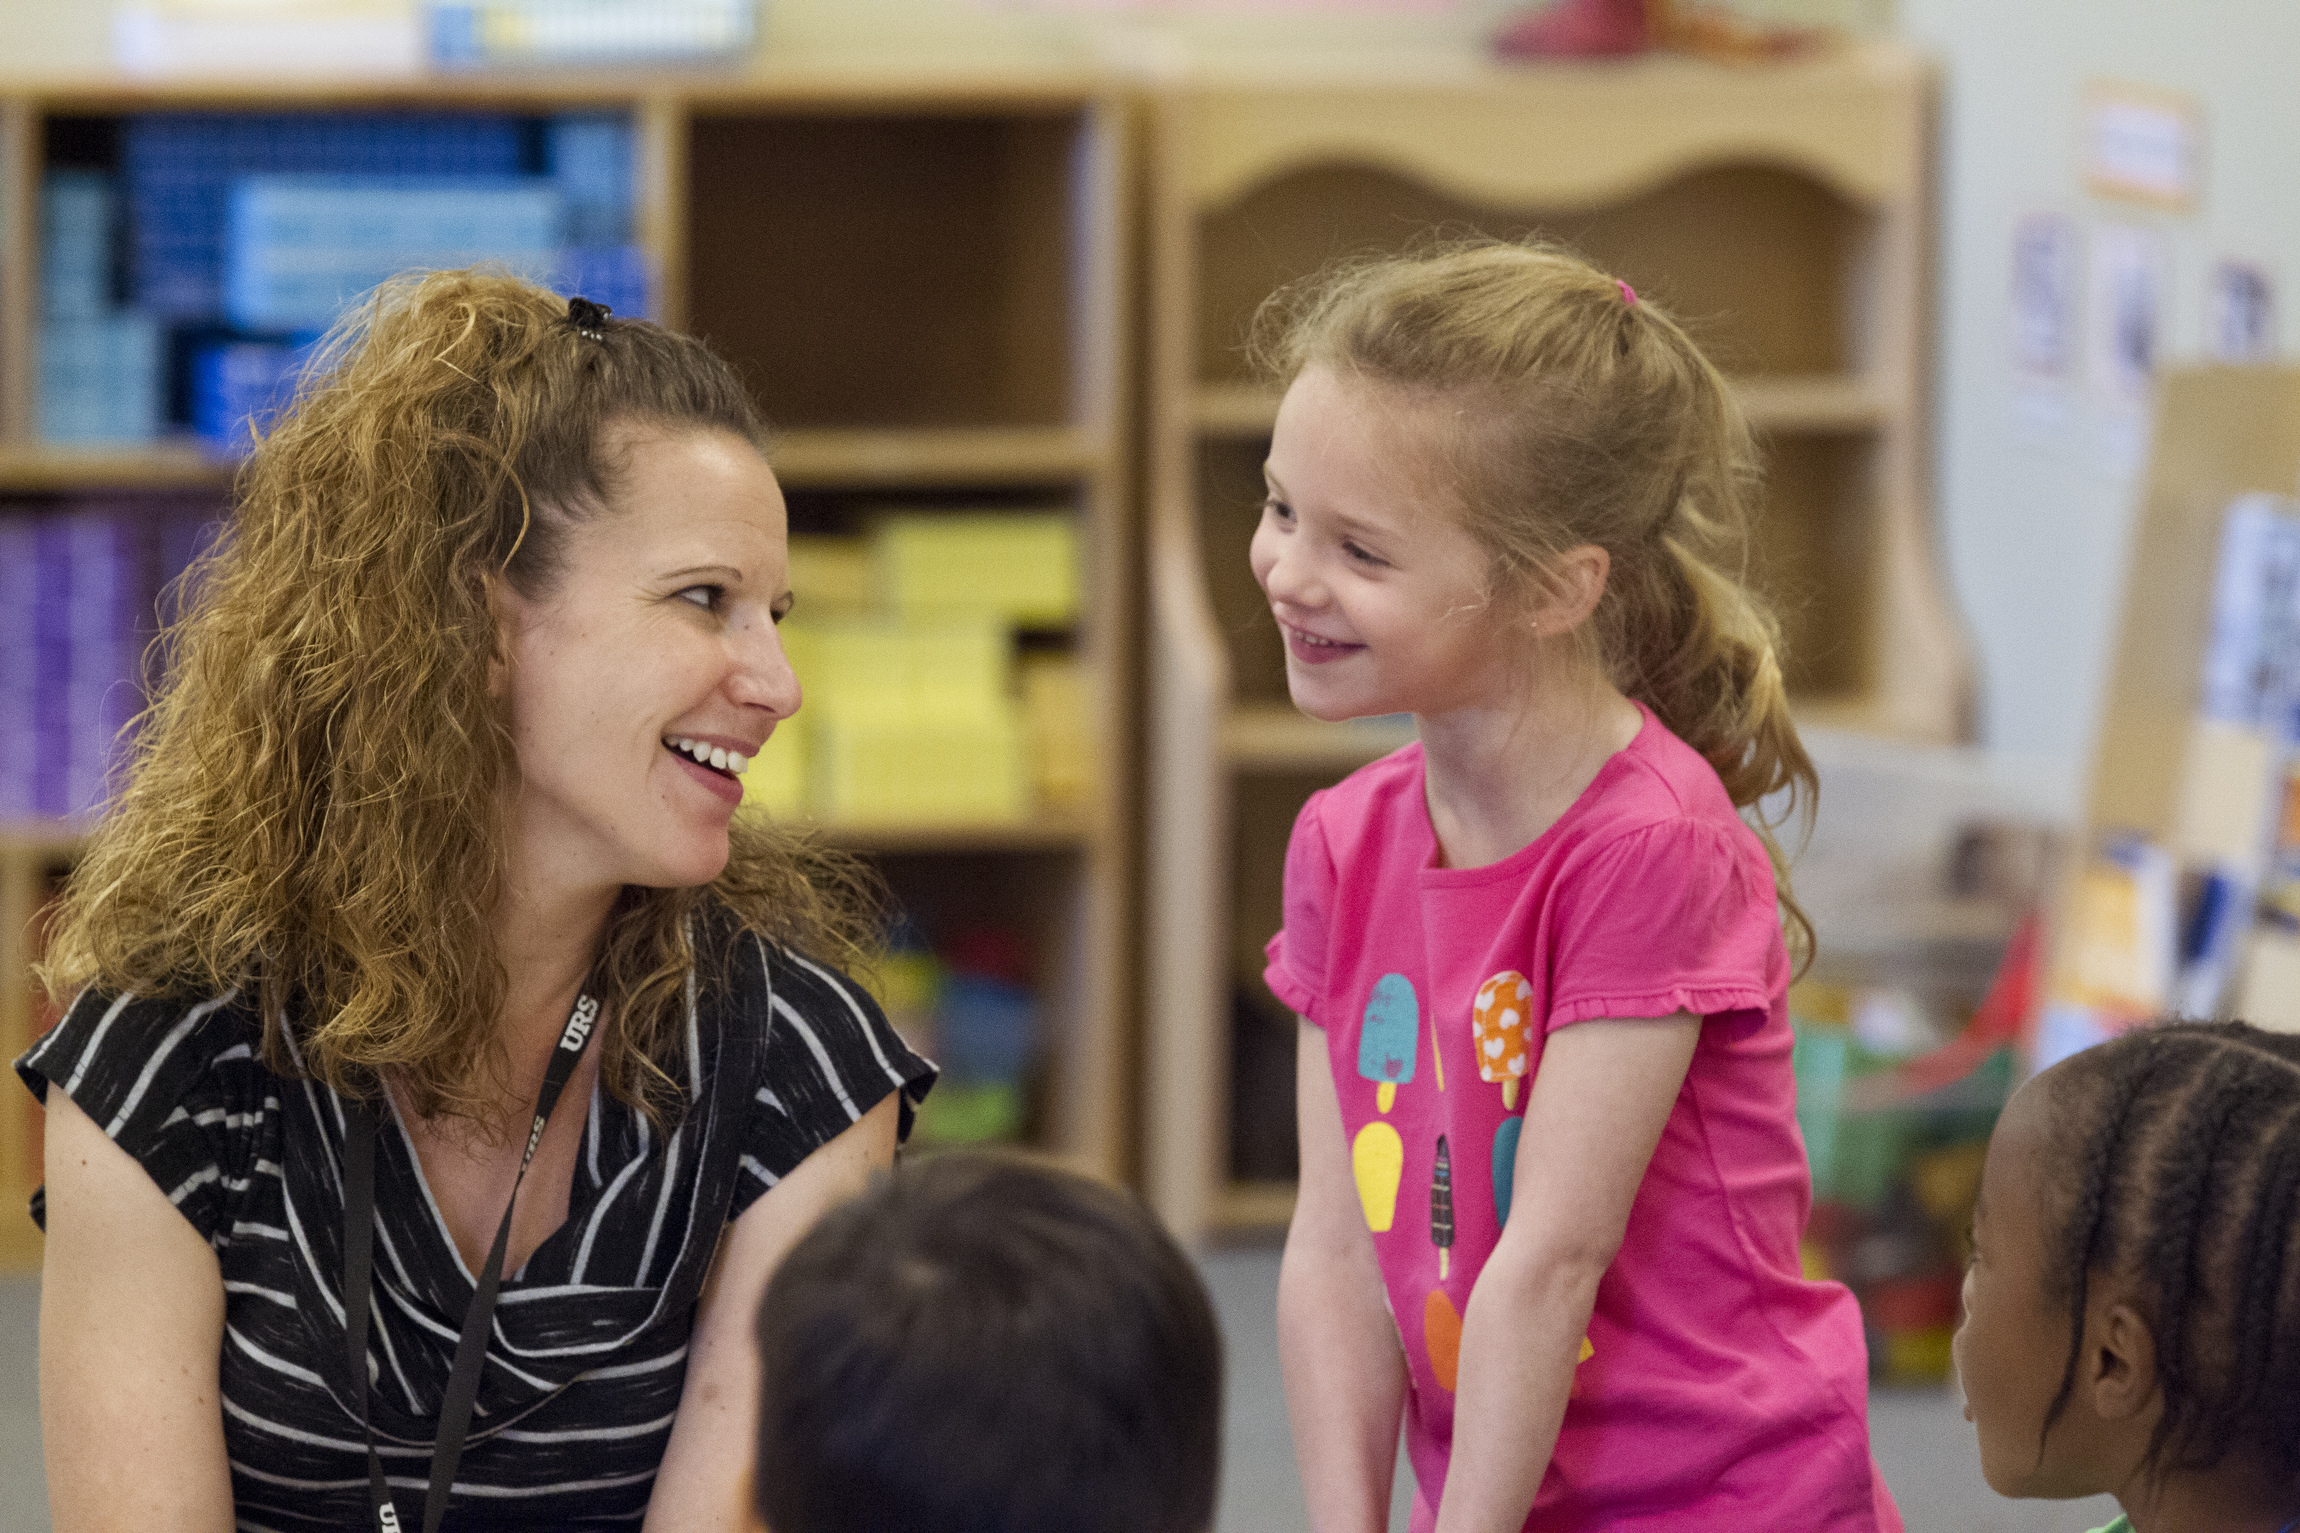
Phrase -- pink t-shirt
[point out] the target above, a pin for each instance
(1718, 1388)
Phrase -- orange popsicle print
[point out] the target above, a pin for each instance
(1498, 1031)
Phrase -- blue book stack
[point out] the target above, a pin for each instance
(591, 163)
(180, 167)
(300, 247)
(100, 379)
(99, 366)
(78, 213)
(238, 386)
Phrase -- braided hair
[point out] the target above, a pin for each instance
(2186, 1142)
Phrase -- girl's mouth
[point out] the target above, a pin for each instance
(1309, 649)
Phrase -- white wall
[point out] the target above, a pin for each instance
(2035, 520)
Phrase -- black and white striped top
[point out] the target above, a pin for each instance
(590, 1342)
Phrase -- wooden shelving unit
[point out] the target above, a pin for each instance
(923, 274)
(1784, 210)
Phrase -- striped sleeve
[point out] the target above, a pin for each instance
(158, 1077)
(830, 1056)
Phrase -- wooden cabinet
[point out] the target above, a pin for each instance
(921, 275)
(1782, 211)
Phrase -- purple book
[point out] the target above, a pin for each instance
(18, 665)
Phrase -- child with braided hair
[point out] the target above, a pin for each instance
(2132, 1310)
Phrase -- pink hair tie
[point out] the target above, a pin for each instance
(1628, 293)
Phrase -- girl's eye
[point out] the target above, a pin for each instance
(1272, 506)
(1361, 555)
(706, 597)
(782, 609)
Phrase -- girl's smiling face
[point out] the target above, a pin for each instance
(1381, 596)
(660, 627)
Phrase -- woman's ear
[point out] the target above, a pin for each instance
(1571, 587)
(2118, 1371)
(503, 604)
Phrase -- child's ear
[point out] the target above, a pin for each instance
(1570, 589)
(2119, 1368)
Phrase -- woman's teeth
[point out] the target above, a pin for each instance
(715, 756)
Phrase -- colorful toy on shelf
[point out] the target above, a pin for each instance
(1441, 1207)
(1598, 29)
(1499, 1031)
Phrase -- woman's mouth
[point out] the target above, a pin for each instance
(713, 767)
(1310, 649)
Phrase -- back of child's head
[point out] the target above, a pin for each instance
(1586, 416)
(979, 1345)
(2171, 1163)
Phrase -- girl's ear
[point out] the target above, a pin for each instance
(1570, 589)
(2118, 1371)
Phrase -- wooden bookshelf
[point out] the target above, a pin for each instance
(1783, 210)
(923, 274)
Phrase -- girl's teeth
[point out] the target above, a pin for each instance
(719, 757)
(738, 763)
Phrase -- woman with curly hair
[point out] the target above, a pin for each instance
(447, 1068)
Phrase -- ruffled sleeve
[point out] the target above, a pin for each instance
(176, 1084)
(1297, 955)
(1676, 916)
(830, 1056)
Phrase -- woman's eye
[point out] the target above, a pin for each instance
(706, 597)
(1272, 506)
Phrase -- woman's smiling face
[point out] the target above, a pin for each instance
(660, 628)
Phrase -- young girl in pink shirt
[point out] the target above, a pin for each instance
(1552, 1184)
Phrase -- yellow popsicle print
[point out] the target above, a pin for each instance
(1378, 1157)
(1500, 1033)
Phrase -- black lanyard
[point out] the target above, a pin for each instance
(471, 1349)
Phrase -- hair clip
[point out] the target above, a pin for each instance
(1628, 294)
(588, 319)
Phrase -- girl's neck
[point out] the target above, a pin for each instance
(2230, 1498)
(1496, 777)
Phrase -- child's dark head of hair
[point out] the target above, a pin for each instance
(981, 1345)
(2132, 1314)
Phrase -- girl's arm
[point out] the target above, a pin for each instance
(703, 1484)
(1345, 1372)
(131, 1344)
(1601, 1097)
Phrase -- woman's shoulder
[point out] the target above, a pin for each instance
(110, 1050)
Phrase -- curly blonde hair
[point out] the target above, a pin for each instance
(1590, 417)
(311, 815)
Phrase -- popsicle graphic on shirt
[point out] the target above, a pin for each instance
(1498, 1031)
(1441, 1207)
(1441, 1338)
(1389, 1037)
(1378, 1160)
(1505, 1168)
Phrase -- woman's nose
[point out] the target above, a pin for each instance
(763, 675)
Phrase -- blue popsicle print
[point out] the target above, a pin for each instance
(1389, 1037)
(1505, 1167)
